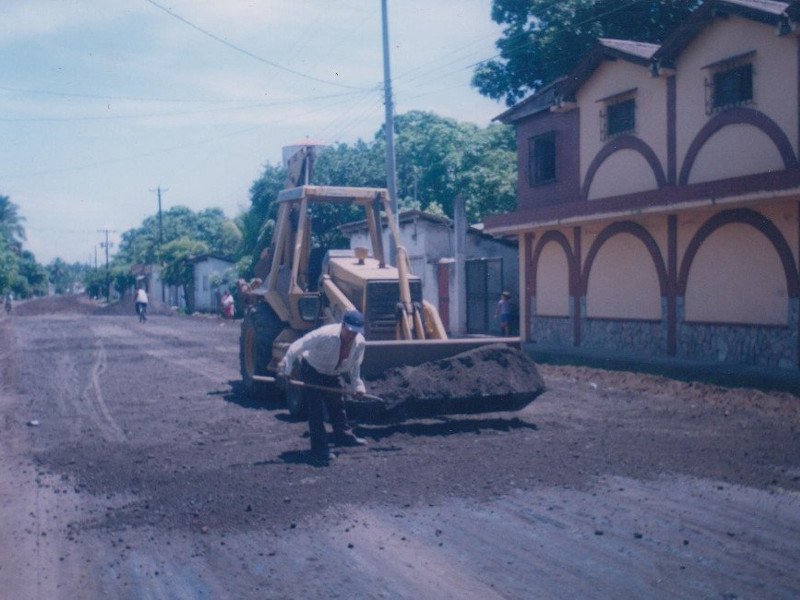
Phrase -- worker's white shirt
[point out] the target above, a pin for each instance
(141, 295)
(320, 348)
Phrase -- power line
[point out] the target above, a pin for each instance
(174, 113)
(162, 150)
(247, 52)
(106, 97)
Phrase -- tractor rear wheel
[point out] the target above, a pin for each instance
(260, 327)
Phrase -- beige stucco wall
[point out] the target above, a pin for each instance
(651, 115)
(623, 283)
(736, 150)
(774, 82)
(736, 277)
(552, 282)
(783, 213)
(624, 172)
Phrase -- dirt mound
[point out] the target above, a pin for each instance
(486, 379)
(68, 303)
(127, 307)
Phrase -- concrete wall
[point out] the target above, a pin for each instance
(428, 243)
(730, 274)
(775, 74)
(630, 172)
(566, 187)
(206, 296)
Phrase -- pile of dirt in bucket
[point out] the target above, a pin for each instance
(126, 306)
(487, 379)
(64, 304)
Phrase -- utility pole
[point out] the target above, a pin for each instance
(107, 245)
(160, 240)
(388, 127)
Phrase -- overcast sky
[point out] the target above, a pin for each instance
(103, 101)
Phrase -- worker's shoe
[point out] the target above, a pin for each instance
(349, 439)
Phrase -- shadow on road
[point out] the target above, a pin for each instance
(239, 395)
(445, 426)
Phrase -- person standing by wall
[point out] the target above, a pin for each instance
(325, 355)
(503, 312)
(227, 305)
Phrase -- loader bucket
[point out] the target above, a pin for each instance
(442, 378)
(382, 355)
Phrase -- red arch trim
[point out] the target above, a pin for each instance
(639, 232)
(623, 142)
(561, 240)
(736, 116)
(754, 219)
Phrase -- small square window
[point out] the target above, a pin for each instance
(621, 117)
(733, 87)
(542, 159)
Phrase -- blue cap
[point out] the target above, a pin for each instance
(354, 321)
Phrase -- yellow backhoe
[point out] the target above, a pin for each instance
(297, 290)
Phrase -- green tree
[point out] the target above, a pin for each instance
(544, 39)
(210, 226)
(8, 267)
(31, 276)
(437, 159)
(11, 228)
(178, 267)
(94, 281)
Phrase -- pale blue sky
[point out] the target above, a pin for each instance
(103, 100)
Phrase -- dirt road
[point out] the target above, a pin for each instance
(150, 475)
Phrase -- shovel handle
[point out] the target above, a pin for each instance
(313, 386)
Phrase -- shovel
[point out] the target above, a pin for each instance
(312, 386)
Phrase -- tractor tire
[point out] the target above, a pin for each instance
(260, 327)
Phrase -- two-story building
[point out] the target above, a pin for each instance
(658, 207)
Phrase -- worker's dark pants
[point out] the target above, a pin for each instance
(316, 402)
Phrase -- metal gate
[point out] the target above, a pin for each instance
(484, 285)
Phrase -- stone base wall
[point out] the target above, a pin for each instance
(747, 345)
(628, 336)
(556, 331)
(762, 346)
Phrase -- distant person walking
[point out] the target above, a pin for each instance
(503, 312)
(141, 304)
(7, 304)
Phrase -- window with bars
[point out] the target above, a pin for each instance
(733, 87)
(730, 83)
(618, 115)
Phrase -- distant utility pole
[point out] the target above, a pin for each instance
(158, 190)
(391, 166)
(107, 245)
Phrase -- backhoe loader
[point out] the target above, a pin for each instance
(298, 289)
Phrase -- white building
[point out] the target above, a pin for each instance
(490, 265)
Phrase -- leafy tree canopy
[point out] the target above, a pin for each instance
(437, 159)
(20, 274)
(544, 39)
(210, 226)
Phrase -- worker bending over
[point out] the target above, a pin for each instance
(327, 354)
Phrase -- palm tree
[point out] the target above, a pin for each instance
(11, 222)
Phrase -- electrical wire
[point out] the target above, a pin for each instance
(247, 52)
(174, 113)
(102, 97)
(162, 150)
